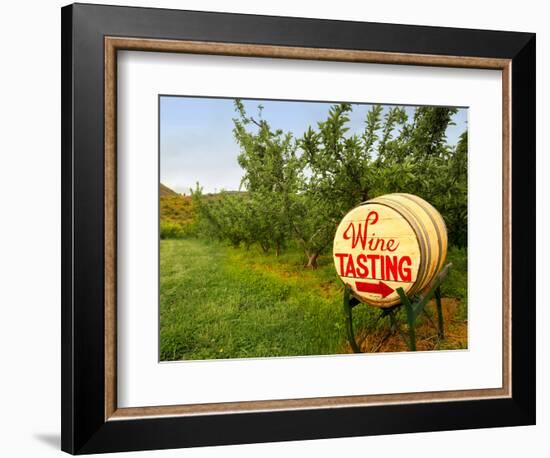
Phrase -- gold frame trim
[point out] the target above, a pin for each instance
(114, 44)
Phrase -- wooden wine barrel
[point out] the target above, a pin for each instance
(392, 241)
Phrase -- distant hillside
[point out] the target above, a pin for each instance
(175, 208)
(166, 191)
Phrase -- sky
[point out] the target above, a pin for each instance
(197, 144)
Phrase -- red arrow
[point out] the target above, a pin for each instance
(375, 288)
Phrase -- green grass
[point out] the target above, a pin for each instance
(222, 302)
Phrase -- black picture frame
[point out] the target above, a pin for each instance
(84, 427)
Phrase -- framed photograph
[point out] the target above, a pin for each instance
(283, 228)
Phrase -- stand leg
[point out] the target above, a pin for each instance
(349, 321)
(412, 329)
(411, 319)
(395, 327)
(441, 328)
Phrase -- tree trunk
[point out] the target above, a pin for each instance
(277, 249)
(312, 261)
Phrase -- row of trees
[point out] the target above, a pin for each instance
(300, 188)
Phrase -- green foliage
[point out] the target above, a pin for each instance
(171, 230)
(456, 284)
(271, 168)
(418, 160)
(333, 179)
(233, 217)
(298, 189)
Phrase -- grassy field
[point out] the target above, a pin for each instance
(222, 302)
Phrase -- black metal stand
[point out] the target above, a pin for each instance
(412, 307)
